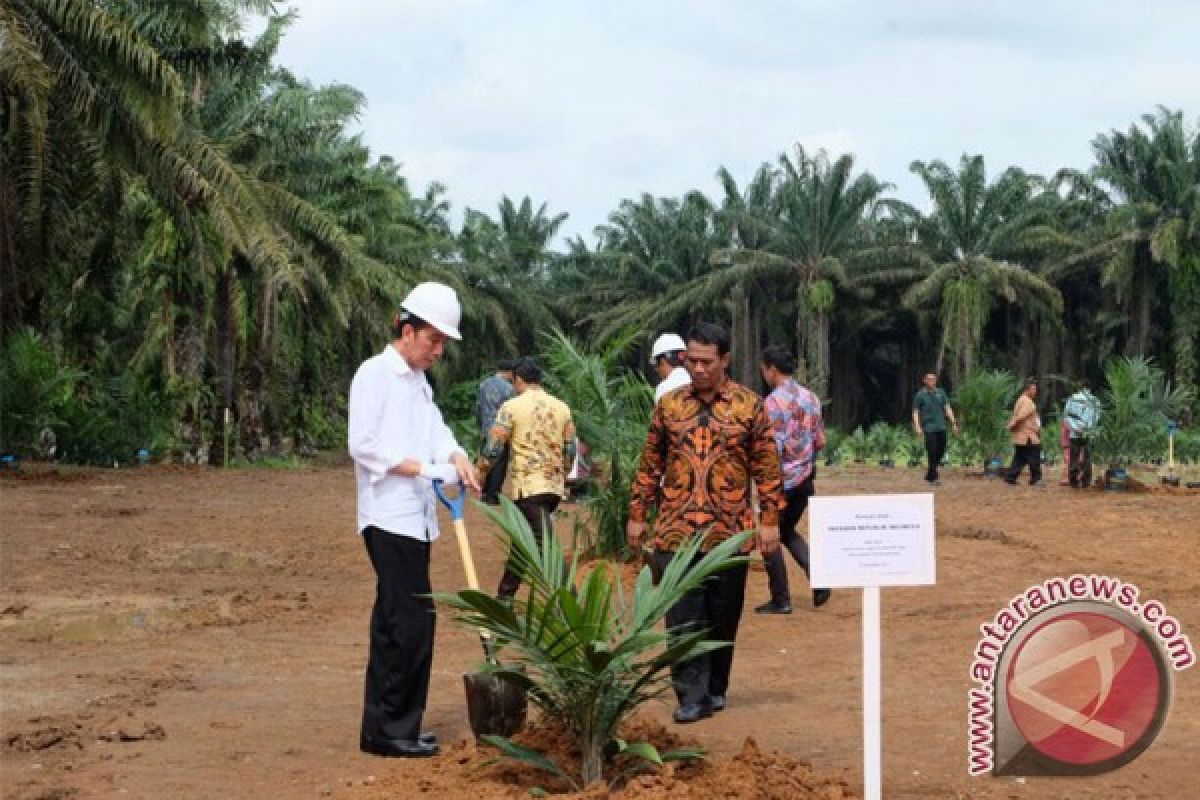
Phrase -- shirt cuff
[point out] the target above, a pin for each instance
(447, 473)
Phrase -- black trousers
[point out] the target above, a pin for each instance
(1079, 469)
(1029, 453)
(495, 478)
(935, 448)
(402, 628)
(796, 501)
(716, 606)
(537, 510)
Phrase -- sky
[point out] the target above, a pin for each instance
(580, 104)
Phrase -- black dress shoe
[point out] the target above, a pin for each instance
(398, 748)
(692, 713)
(773, 608)
(820, 597)
(716, 702)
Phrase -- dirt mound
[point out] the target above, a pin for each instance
(751, 773)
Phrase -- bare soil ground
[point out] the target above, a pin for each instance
(187, 633)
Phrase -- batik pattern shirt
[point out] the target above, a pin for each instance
(541, 435)
(494, 391)
(795, 414)
(700, 463)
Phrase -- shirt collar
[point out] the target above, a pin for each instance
(396, 361)
(725, 392)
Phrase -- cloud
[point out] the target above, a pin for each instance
(583, 104)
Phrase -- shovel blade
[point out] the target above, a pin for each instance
(495, 706)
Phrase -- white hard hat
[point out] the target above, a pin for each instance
(437, 304)
(667, 343)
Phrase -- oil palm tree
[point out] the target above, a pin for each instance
(974, 240)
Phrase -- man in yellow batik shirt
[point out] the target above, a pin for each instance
(540, 434)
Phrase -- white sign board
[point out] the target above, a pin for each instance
(872, 540)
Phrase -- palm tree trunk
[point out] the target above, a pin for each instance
(803, 323)
(820, 379)
(226, 348)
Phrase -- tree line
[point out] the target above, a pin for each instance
(188, 227)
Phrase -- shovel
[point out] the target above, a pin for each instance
(494, 706)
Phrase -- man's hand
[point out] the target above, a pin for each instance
(768, 539)
(917, 428)
(466, 471)
(408, 468)
(634, 533)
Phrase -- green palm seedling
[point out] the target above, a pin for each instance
(884, 440)
(913, 448)
(859, 445)
(834, 439)
(983, 402)
(588, 655)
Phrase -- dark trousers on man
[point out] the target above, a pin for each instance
(1079, 464)
(537, 510)
(402, 628)
(494, 483)
(716, 606)
(1029, 453)
(935, 448)
(796, 501)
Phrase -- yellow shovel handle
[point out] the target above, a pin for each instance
(464, 550)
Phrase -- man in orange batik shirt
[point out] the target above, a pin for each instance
(708, 445)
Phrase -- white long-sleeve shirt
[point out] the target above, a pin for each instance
(393, 418)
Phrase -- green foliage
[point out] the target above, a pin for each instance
(110, 418)
(883, 440)
(587, 655)
(859, 445)
(1187, 447)
(458, 410)
(913, 448)
(321, 427)
(983, 404)
(34, 391)
(834, 440)
(1135, 406)
(611, 407)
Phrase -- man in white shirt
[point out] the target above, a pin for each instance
(667, 358)
(400, 444)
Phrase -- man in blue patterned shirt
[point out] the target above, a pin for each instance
(493, 392)
(795, 414)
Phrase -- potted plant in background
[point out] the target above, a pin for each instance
(913, 448)
(1136, 404)
(834, 439)
(884, 440)
(859, 445)
(983, 403)
(611, 407)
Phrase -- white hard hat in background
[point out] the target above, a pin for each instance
(667, 343)
(437, 304)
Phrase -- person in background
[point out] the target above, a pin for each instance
(1081, 415)
(538, 430)
(400, 443)
(667, 356)
(709, 444)
(1025, 428)
(494, 390)
(931, 409)
(1064, 442)
(795, 414)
